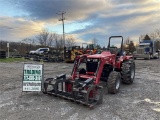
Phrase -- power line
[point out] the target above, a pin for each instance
(62, 19)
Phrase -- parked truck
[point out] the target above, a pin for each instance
(147, 49)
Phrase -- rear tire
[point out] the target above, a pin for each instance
(157, 57)
(114, 81)
(149, 57)
(128, 71)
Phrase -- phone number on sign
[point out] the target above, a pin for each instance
(36, 78)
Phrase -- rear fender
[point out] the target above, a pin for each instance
(121, 59)
(128, 57)
(119, 62)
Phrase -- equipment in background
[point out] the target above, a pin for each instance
(147, 49)
(70, 53)
(89, 48)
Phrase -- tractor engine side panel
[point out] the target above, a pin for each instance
(106, 71)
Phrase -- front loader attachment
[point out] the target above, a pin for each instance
(84, 92)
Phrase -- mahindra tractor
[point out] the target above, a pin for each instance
(89, 71)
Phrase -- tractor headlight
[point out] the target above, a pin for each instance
(95, 60)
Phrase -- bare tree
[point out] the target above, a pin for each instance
(157, 31)
(50, 41)
(94, 41)
(126, 42)
(58, 42)
(45, 38)
(70, 42)
(30, 43)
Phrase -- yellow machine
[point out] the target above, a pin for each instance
(71, 52)
(89, 48)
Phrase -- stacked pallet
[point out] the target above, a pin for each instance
(2, 54)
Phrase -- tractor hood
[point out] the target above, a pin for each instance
(102, 55)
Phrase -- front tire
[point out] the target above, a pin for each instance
(96, 95)
(128, 71)
(114, 81)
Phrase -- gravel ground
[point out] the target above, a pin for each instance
(139, 101)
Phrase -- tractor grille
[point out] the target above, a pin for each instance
(140, 51)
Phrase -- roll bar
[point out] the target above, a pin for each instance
(115, 37)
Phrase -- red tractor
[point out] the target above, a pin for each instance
(83, 86)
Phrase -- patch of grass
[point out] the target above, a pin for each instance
(6, 60)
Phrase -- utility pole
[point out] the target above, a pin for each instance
(62, 19)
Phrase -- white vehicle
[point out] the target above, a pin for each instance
(39, 51)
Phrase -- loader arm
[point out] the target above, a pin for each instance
(78, 60)
(108, 60)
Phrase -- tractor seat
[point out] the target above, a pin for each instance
(119, 53)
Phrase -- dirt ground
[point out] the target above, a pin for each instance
(139, 101)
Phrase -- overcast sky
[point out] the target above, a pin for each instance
(85, 19)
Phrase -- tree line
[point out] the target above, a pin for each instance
(55, 41)
(43, 39)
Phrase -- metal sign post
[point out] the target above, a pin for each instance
(8, 49)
